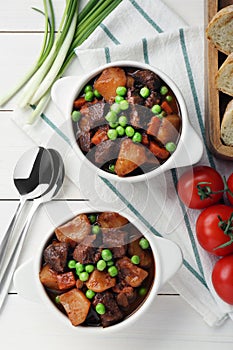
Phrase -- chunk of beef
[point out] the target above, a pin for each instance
(85, 252)
(132, 274)
(75, 230)
(84, 141)
(113, 314)
(108, 82)
(66, 280)
(92, 116)
(109, 219)
(106, 151)
(76, 305)
(130, 157)
(55, 255)
(146, 259)
(129, 81)
(99, 281)
(140, 116)
(153, 99)
(169, 129)
(125, 294)
(134, 98)
(48, 277)
(147, 78)
(115, 240)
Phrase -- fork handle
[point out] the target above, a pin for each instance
(6, 237)
(7, 271)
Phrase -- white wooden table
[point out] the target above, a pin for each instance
(171, 323)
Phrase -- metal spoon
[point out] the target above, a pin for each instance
(32, 176)
(7, 272)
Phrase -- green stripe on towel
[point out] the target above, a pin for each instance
(109, 34)
(194, 93)
(145, 50)
(107, 55)
(146, 16)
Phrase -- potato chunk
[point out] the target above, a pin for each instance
(99, 281)
(169, 129)
(110, 220)
(75, 230)
(76, 305)
(48, 277)
(108, 81)
(66, 280)
(130, 157)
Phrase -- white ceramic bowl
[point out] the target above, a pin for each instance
(168, 259)
(189, 149)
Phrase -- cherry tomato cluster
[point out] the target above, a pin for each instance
(203, 188)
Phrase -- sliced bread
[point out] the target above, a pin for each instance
(227, 125)
(220, 30)
(224, 76)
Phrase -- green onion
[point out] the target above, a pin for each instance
(57, 51)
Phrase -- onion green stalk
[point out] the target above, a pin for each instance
(46, 47)
(57, 51)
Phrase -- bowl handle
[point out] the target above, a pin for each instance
(170, 256)
(64, 90)
(23, 279)
(190, 149)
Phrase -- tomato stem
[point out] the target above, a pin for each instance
(206, 191)
(226, 226)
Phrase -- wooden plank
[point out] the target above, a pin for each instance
(217, 101)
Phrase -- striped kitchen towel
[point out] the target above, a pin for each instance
(147, 31)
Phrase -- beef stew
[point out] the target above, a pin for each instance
(127, 121)
(103, 278)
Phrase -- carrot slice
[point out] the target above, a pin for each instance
(100, 136)
(80, 102)
(158, 151)
(166, 107)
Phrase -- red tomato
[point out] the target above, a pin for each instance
(209, 234)
(222, 278)
(188, 191)
(230, 186)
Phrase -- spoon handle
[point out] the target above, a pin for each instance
(6, 237)
(7, 271)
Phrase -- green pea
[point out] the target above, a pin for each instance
(89, 268)
(137, 137)
(95, 229)
(101, 265)
(170, 147)
(124, 105)
(118, 99)
(135, 259)
(169, 98)
(144, 244)
(90, 294)
(92, 218)
(129, 131)
(83, 276)
(88, 88)
(89, 96)
(123, 120)
(110, 263)
(113, 125)
(145, 92)
(72, 264)
(163, 90)
(162, 114)
(142, 291)
(111, 168)
(111, 117)
(112, 134)
(120, 130)
(79, 268)
(115, 107)
(57, 299)
(100, 309)
(106, 254)
(76, 115)
(156, 109)
(97, 94)
(121, 90)
(113, 271)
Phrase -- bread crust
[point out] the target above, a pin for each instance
(226, 64)
(227, 125)
(224, 12)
